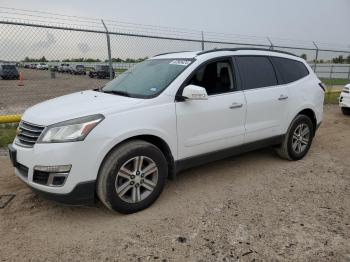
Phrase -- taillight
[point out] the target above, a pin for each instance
(323, 86)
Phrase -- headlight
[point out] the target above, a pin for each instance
(71, 130)
(346, 89)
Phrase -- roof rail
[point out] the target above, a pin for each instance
(172, 53)
(243, 48)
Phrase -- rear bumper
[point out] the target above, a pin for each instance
(344, 100)
(9, 75)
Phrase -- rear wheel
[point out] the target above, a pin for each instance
(298, 139)
(132, 177)
(346, 111)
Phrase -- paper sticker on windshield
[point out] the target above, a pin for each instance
(180, 62)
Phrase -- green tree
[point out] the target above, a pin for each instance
(303, 56)
(348, 59)
(43, 59)
(338, 60)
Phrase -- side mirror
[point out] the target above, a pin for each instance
(193, 92)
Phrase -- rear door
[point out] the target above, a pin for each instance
(267, 100)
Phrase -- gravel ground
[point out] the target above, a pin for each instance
(254, 207)
(38, 87)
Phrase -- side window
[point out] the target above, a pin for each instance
(256, 71)
(290, 70)
(215, 77)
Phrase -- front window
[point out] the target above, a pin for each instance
(147, 79)
(216, 77)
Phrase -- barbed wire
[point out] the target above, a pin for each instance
(72, 21)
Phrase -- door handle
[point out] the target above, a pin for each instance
(283, 97)
(236, 105)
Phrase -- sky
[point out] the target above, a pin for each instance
(323, 21)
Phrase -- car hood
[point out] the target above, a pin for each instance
(78, 105)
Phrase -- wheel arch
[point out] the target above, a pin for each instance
(311, 114)
(154, 140)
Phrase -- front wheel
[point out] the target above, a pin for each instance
(132, 177)
(346, 110)
(298, 139)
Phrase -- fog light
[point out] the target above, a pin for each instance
(53, 176)
(54, 169)
(58, 180)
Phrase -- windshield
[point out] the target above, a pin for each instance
(147, 79)
(9, 67)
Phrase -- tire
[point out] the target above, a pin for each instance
(295, 147)
(110, 179)
(346, 110)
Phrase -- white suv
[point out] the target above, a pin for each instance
(168, 113)
(344, 100)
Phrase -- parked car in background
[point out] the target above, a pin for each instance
(42, 66)
(167, 113)
(344, 100)
(63, 68)
(33, 66)
(8, 71)
(77, 70)
(54, 68)
(26, 65)
(100, 71)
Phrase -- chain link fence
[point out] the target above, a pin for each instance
(48, 55)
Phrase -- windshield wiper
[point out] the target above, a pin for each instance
(116, 92)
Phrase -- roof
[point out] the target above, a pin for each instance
(193, 54)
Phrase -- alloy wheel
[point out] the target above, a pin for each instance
(136, 179)
(301, 138)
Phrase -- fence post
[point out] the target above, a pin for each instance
(331, 73)
(202, 41)
(109, 51)
(271, 44)
(316, 57)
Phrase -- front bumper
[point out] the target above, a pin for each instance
(344, 100)
(79, 187)
(82, 194)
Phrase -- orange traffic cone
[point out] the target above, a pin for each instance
(20, 82)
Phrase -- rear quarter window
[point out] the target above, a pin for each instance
(256, 71)
(290, 70)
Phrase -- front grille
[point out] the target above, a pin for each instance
(40, 177)
(28, 134)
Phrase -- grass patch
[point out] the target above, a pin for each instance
(335, 81)
(331, 97)
(7, 134)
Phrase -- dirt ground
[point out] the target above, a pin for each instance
(38, 87)
(254, 207)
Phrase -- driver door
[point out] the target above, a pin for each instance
(217, 123)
